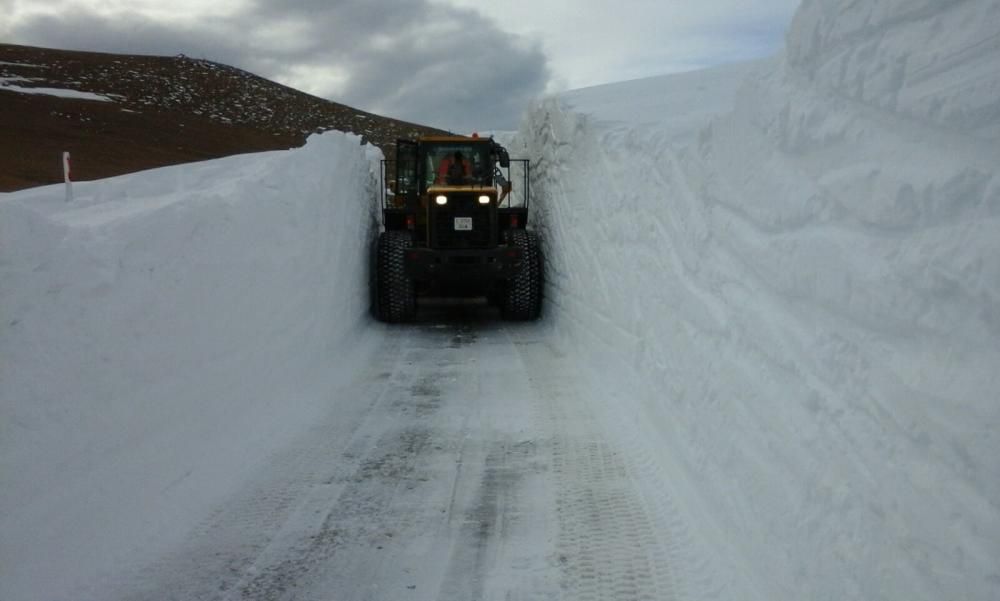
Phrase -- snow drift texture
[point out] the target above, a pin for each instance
(801, 299)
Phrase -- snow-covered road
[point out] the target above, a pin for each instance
(463, 462)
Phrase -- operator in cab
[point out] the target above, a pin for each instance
(454, 170)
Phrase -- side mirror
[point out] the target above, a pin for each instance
(501, 153)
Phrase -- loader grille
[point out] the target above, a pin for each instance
(442, 224)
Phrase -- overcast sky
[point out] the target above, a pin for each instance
(456, 64)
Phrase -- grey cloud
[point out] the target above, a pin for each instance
(438, 65)
(473, 76)
(126, 34)
(409, 59)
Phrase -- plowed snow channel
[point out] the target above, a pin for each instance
(767, 367)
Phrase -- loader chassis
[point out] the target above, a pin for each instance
(455, 227)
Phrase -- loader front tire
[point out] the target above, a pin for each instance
(395, 294)
(523, 298)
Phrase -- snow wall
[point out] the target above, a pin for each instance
(798, 302)
(160, 335)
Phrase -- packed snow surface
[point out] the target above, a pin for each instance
(778, 284)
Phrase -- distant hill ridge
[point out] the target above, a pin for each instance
(149, 111)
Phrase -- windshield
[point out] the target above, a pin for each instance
(457, 163)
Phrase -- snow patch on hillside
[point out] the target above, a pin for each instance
(7, 85)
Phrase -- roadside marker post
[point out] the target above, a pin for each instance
(67, 177)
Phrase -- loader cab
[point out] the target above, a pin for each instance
(414, 183)
(420, 165)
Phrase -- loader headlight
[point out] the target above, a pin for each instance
(441, 199)
(484, 200)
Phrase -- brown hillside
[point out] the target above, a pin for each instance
(160, 111)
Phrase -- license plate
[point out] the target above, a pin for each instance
(463, 224)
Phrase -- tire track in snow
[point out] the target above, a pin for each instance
(385, 504)
(610, 544)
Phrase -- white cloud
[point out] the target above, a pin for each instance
(325, 81)
(601, 41)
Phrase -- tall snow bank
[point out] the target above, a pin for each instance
(159, 334)
(798, 304)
